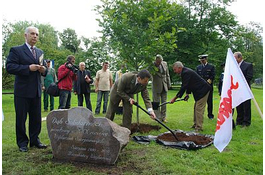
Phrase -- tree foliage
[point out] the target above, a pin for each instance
(95, 54)
(138, 30)
(70, 40)
(208, 28)
(135, 31)
(249, 41)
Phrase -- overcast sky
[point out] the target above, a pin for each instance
(78, 15)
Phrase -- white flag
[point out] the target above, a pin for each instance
(235, 90)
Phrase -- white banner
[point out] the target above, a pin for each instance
(235, 90)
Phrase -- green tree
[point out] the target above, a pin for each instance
(138, 30)
(208, 28)
(95, 54)
(211, 28)
(70, 40)
(249, 42)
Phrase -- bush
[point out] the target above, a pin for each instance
(7, 79)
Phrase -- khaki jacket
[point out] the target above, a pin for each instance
(160, 80)
(126, 86)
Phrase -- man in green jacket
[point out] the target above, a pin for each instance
(124, 89)
(46, 81)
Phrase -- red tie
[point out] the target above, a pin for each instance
(33, 52)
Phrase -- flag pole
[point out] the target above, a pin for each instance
(258, 108)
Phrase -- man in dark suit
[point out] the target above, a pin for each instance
(244, 109)
(207, 72)
(160, 85)
(124, 89)
(26, 62)
(192, 82)
(82, 85)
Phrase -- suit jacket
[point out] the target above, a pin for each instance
(160, 80)
(247, 70)
(27, 83)
(126, 86)
(206, 72)
(192, 82)
(77, 85)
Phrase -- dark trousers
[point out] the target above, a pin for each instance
(210, 103)
(24, 106)
(64, 99)
(80, 98)
(46, 101)
(244, 113)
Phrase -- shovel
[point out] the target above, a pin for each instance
(136, 104)
(156, 105)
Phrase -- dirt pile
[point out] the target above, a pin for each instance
(197, 139)
(143, 128)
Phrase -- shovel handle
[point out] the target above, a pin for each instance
(170, 102)
(166, 128)
(136, 104)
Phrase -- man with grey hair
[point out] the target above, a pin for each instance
(82, 85)
(192, 82)
(160, 85)
(244, 109)
(26, 63)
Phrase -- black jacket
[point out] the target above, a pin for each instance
(77, 85)
(206, 72)
(192, 82)
(247, 70)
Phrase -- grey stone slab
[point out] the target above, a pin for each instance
(76, 135)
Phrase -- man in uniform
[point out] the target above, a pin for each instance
(207, 72)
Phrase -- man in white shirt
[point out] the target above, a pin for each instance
(103, 85)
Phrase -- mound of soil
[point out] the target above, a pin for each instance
(197, 139)
(143, 128)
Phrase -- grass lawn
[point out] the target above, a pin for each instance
(243, 155)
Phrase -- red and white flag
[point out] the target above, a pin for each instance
(235, 90)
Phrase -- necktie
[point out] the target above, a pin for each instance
(33, 52)
(161, 68)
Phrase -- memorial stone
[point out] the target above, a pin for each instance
(75, 135)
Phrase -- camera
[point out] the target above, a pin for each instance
(72, 67)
